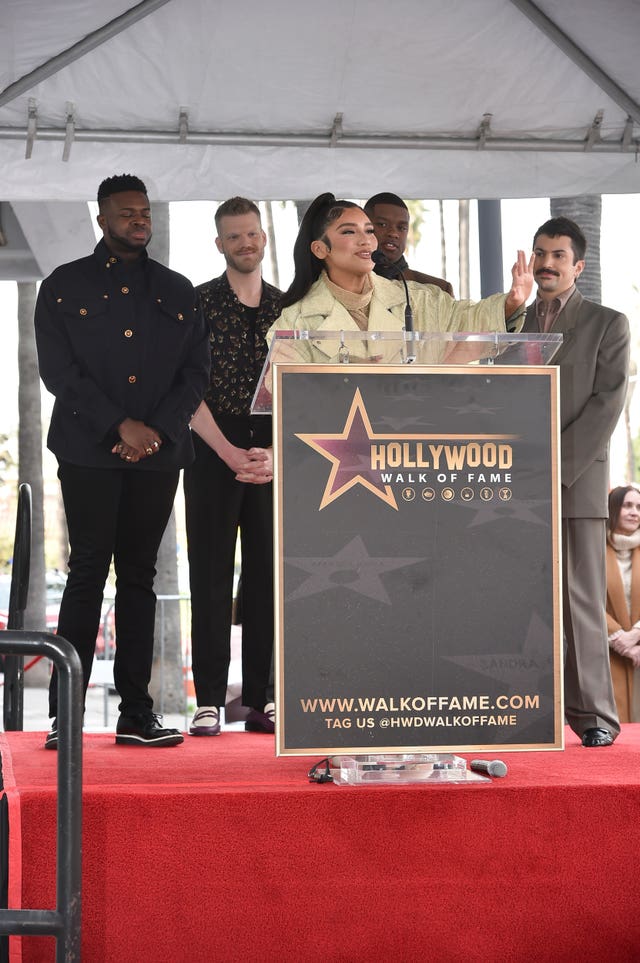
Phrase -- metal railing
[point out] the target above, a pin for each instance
(13, 704)
(63, 922)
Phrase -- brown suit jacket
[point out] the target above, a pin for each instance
(594, 363)
(411, 275)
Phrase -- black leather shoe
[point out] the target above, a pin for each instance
(596, 737)
(51, 742)
(261, 721)
(145, 730)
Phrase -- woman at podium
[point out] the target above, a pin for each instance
(334, 288)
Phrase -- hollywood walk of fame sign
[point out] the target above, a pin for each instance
(417, 557)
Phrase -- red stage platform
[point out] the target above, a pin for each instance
(217, 851)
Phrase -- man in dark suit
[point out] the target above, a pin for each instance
(390, 218)
(593, 360)
(123, 347)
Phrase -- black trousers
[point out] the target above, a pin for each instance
(120, 513)
(216, 507)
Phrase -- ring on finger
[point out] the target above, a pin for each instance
(155, 444)
(149, 451)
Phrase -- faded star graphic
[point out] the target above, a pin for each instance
(349, 453)
(472, 408)
(521, 672)
(411, 398)
(495, 511)
(351, 568)
(406, 422)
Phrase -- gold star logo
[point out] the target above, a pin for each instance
(349, 452)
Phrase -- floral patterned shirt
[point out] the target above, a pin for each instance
(237, 342)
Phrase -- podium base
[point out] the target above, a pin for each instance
(430, 768)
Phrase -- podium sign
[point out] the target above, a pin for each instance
(417, 541)
(417, 558)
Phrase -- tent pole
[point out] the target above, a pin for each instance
(579, 57)
(79, 49)
(490, 242)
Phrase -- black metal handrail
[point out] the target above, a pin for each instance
(13, 704)
(63, 922)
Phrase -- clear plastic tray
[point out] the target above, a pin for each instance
(425, 767)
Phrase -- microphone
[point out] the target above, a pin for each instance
(393, 270)
(495, 767)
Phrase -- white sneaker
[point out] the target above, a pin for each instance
(206, 721)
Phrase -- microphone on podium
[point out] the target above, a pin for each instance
(391, 268)
(495, 767)
(393, 271)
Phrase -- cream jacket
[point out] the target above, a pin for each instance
(433, 311)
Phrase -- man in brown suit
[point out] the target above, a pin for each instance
(593, 360)
(390, 218)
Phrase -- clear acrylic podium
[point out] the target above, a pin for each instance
(400, 347)
(373, 670)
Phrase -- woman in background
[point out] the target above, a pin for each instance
(623, 599)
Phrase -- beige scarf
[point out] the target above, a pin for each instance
(356, 304)
(623, 546)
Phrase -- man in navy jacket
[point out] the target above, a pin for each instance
(124, 349)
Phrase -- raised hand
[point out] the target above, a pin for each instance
(521, 284)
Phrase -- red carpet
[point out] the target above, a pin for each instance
(217, 851)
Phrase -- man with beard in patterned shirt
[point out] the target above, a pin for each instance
(229, 485)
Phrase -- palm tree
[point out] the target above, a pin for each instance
(631, 455)
(463, 247)
(301, 209)
(6, 540)
(30, 466)
(271, 242)
(416, 220)
(443, 240)
(167, 682)
(585, 210)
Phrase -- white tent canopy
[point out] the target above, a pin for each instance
(285, 99)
